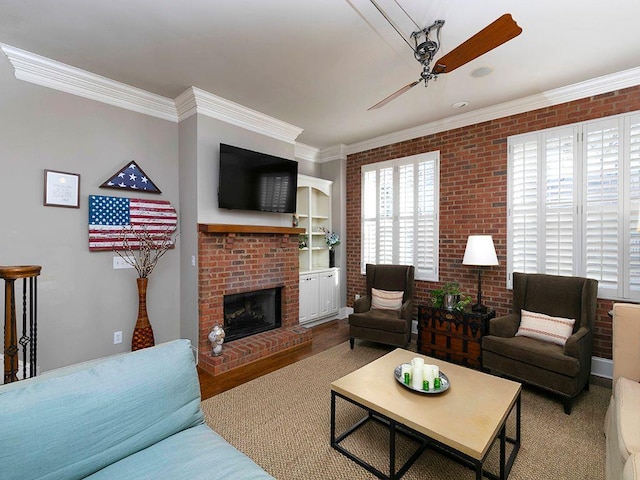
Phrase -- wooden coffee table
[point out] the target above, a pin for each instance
(462, 422)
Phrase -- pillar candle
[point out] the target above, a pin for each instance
(417, 373)
(428, 375)
(405, 368)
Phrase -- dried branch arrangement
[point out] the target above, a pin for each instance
(142, 248)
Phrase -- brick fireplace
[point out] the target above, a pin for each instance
(241, 258)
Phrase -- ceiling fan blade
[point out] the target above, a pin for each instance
(493, 35)
(394, 95)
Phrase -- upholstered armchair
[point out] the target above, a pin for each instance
(537, 343)
(385, 312)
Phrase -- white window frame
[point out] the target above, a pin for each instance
(425, 257)
(624, 283)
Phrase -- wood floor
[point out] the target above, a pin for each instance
(325, 336)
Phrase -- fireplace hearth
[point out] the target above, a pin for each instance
(249, 313)
(234, 259)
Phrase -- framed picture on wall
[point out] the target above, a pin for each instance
(61, 189)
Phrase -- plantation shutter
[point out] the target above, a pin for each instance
(602, 203)
(399, 221)
(632, 260)
(560, 230)
(574, 204)
(523, 219)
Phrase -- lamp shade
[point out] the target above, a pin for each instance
(480, 251)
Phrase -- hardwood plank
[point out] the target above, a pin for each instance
(325, 336)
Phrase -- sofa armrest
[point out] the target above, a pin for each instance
(577, 343)
(632, 467)
(506, 326)
(362, 304)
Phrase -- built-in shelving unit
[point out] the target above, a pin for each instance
(314, 216)
(319, 283)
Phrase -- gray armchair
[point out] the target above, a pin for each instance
(392, 327)
(561, 369)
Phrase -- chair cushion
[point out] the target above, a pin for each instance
(545, 327)
(627, 398)
(545, 355)
(388, 320)
(386, 300)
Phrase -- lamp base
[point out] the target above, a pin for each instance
(479, 308)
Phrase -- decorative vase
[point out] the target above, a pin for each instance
(332, 257)
(142, 333)
(216, 337)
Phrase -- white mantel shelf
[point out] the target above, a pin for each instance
(226, 228)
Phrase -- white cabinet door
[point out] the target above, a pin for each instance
(308, 297)
(329, 288)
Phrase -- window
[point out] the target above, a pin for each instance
(574, 204)
(400, 213)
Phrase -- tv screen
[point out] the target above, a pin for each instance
(256, 181)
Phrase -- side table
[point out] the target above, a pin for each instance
(451, 335)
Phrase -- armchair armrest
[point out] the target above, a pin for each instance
(362, 304)
(577, 343)
(406, 311)
(506, 326)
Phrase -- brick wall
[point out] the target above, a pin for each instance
(473, 197)
(230, 263)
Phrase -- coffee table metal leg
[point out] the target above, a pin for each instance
(392, 449)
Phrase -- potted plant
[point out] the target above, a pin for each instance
(449, 297)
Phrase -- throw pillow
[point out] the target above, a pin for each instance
(544, 327)
(385, 300)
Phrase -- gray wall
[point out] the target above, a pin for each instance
(82, 300)
(336, 170)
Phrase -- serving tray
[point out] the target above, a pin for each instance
(444, 382)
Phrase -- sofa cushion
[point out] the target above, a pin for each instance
(195, 453)
(545, 327)
(72, 423)
(385, 300)
(627, 403)
(545, 355)
(387, 320)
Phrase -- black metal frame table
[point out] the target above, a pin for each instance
(396, 425)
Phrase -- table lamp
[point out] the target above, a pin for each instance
(480, 252)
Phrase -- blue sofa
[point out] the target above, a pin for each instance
(130, 416)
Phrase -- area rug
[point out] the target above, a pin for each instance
(282, 422)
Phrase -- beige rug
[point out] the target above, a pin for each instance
(282, 421)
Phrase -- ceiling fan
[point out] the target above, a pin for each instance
(493, 35)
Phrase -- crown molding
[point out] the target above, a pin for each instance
(49, 73)
(306, 152)
(337, 152)
(588, 88)
(194, 100)
(59, 76)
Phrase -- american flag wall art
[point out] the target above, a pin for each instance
(110, 218)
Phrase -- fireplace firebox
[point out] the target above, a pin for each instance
(249, 313)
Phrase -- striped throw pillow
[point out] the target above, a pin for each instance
(385, 300)
(544, 327)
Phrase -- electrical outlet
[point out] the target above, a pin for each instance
(117, 338)
(119, 262)
(357, 296)
(193, 260)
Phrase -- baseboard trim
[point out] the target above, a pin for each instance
(602, 367)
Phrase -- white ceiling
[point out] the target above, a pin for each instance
(319, 64)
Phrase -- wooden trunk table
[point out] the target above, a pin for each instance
(451, 335)
(463, 422)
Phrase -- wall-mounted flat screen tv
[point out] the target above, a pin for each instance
(256, 181)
